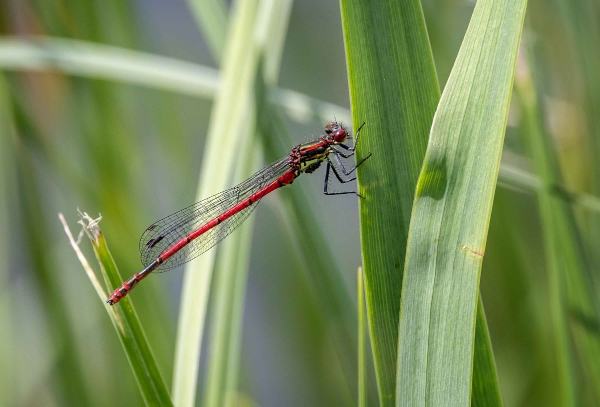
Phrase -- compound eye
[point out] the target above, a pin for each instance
(340, 135)
(331, 127)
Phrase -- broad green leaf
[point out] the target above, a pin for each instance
(451, 212)
(393, 88)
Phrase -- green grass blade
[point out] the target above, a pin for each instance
(393, 88)
(452, 209)
(486, 391)
(362, 366)
(125, 320)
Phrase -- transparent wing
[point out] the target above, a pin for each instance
(164, 233)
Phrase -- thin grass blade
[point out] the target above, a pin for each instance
(486, 390)
(125, 320)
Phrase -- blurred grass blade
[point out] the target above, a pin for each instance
(486, 390)
(86, 59)
(124, 318)
(552, 216)
(573, 296)
(318, 262)
(211, 17)
(54, 301)
(229, 290)
(452, 209)
(270, 29)
(229, 114)
(8, 185)
(583, 35)
(394, 89)
(519, 179)
(91, 60)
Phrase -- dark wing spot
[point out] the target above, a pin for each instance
(151, 227)
(152, 242)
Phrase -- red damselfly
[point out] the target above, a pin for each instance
(186, 234)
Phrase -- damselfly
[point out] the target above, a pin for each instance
(186, 234)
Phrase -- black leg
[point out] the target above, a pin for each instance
(343, 154)
(326, 184)
(337, 174)
(345, 147)
(356, 137)
(346, 172)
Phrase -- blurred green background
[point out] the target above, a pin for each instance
(70, 138)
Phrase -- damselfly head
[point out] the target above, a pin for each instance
(337, 132)
(331, 127)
